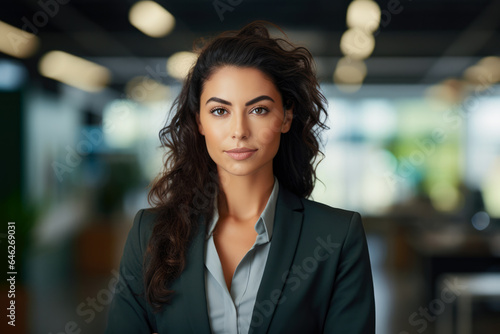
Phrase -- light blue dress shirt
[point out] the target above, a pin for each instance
(231, 311)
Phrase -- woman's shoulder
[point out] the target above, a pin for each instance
(143, 225)
(312, 207)
(324, 210)
(324, 217)
(145, 218)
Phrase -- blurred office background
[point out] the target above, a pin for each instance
(414, 144)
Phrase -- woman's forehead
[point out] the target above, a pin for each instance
(239, 82)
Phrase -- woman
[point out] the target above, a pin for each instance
(232, 245)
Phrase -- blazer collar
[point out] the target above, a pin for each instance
(287, 226)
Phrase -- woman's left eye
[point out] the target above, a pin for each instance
(218, 112)
(260, 111)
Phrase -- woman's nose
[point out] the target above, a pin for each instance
(239, 127)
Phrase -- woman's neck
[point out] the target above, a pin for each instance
(243, 198)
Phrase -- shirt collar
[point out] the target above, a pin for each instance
(265, 223)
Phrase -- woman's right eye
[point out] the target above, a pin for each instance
(218, 111)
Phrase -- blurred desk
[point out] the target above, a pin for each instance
(453, 249)
(459, 257)
(473, 287)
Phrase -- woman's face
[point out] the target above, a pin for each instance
(241, 108)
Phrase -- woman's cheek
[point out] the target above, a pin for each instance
(215, 135)
(266, 136)
(273, 130)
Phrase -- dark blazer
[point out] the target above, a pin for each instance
(317, 278)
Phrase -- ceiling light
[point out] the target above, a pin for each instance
(478, 75)
(350, 72)
(144, 89)
(492, 65)
(16, 42)
(179, 64)
(357, 44)
(151, 18)
(363, 14)
(74, 71)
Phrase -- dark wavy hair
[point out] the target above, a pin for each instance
(183, 194)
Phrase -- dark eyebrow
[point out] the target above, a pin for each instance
(257, 99)
(216, 99)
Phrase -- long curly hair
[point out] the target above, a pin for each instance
(183, 194)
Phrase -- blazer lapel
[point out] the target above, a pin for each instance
(286, 231)
(193, 284)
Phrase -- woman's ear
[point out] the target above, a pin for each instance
(200, 127)
(287, 121)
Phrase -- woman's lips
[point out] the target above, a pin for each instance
(240, 155)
